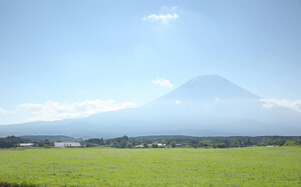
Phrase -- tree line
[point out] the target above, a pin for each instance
(13, 141)
(169, 141)
(185, 141)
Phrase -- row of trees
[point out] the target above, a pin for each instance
(126, 142)
(13, 141)
(43, 143)
(10, 141)
(206, 142)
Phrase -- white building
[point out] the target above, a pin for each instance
(66, 144)
(161, 145)
(26, 144)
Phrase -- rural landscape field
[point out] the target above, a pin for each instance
(249, 166)
(150, 93)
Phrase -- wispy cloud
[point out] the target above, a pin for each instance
(270, 103)
(162, 82)
(165, 17)
(51, 110)
(168, 8)
(6, 111)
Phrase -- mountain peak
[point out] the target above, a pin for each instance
(214, 75)
(206, 77)
(210, 87)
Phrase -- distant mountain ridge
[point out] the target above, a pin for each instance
(204, 106)
(210, 87)
(53, 138)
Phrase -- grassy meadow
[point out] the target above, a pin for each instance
(250, 166)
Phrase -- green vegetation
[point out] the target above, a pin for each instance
(153, 141)
(290, 143)
(219, 141)
(191, 142)
(249, 166)
(10, 141)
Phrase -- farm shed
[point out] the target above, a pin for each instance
(139, 146)
(66, 144)
(142, 146)
(26, 144)
(161, 145)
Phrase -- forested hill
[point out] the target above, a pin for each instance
(50, 138)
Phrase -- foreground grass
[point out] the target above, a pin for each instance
(258, 166)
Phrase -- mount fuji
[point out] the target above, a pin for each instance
(204, 106)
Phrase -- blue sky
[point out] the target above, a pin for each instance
(70, 53)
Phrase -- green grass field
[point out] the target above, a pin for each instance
(257, 166)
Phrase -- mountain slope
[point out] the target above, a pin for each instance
(209, 87)
(204, 106)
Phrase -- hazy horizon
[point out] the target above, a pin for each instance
(70, 59)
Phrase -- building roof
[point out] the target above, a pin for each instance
(26, 144)
(67, 144)
(139, 146)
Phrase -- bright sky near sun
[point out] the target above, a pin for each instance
(63, 59)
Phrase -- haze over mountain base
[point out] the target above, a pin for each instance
(204, 106)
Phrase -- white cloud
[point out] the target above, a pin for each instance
(164, 18)
(178, 102)
(162, 82)
(165, 15)
(56, 111)
(5, 111)
(217, 99)
(270, 103)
